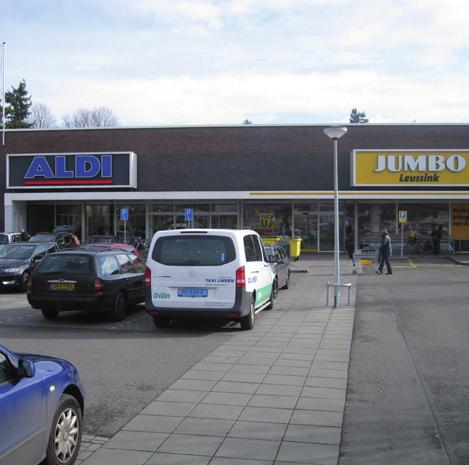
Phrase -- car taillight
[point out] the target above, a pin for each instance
(147, 277)
(98, 285)
(240, 277)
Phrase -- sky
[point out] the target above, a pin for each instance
(216, 62)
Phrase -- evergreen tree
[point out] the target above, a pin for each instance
(357, 116)
(18, 103)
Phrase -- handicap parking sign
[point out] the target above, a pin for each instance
(124, 214)
(188, 214)
(402, 216)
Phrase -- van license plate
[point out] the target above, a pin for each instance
(62, 286)
(192, 292)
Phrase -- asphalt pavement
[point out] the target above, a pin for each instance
(407, 396)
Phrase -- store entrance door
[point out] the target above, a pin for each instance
(326, 228)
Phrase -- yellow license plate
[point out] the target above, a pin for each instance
(62, 286)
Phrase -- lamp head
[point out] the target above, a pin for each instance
(335, 132)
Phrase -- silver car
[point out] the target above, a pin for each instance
(280, 263)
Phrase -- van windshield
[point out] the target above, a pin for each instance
(66, 264)
(194, 250)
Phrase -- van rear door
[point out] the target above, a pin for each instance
(194, 271)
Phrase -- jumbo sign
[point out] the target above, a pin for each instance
(72, 170)
(410, 168)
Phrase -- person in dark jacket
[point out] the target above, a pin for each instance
(384, 253)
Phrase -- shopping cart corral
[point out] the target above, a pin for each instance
(366, 258)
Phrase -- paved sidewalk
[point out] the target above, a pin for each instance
(273, 395)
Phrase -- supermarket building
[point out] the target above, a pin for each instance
(277, 180)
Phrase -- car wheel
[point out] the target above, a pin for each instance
(247, 322)
(24, 280)
(287, 282)
(161, 321)
(275, 288)
(50, 313)
(119, 309)
(65, 436)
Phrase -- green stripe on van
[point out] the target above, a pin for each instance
(263, 294)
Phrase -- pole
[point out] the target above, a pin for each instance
(402, 240)
(3, 90)
(336, 231)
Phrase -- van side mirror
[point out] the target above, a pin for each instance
(271, 259)
(26, 368)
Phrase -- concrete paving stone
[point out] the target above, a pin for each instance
(136, 440)
(317, 381)
(222, 359)
(259, 400)
(94, 446)
(243, 377)
(175, 409)
(226, 398)
(226, 461)
(317, 418)
(153, 423)
(333, 357)
(177, 459)
(314, 434)
(87, 437)
(232, 386)
(292, 363)
(177, 395)
(228, 412)
(83, 454)
(308, 453)
(290, 370)
(266, 414)
(279, 390)
(294, 356)
(325, 373)
(298, 354)
(287, 380)
(207, 366)
(327, 405)
(191, 444)
(100, 439)
(254, 449)
(203, 375)
(258, 430)
(257, 360)
(328, 365)
(247, 368)
(204, 426)
(193, 385)
(117, 457)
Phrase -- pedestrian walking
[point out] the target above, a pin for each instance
(436, 239)
(385, 251)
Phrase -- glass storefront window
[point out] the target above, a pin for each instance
(372, 219)
(69, 215)
(135, 227)
(100, 219)
(162, 207)
(306, 226)
(224, 207)
(268, 220)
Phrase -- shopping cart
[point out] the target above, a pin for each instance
(366, 258)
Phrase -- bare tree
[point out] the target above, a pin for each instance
(100, 117)
(41, 117)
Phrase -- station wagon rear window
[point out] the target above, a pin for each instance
(66, 264)
(192, 250)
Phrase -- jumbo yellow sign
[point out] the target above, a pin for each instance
(410, 168)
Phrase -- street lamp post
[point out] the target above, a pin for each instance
(335, 133)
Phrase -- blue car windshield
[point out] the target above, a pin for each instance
(20, 252)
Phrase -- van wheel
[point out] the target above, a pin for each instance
(119, 309)
(247, 322)
(287, 282)
(50, 313)
(161, 321)
(275, 288)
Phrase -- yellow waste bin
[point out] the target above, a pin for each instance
(271, 240)
(295, 248)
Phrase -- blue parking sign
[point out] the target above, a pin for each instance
(124, 214)
(188, 214)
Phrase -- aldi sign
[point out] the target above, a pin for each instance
(72, 170)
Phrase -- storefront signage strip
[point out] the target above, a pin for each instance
(410, 167)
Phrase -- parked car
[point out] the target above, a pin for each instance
(218, 273)
(113, 246)
(90, 280)
(17, 261)
(8, 238)
(100, 239)
(280, 263)
(64, 240)
(41, 409)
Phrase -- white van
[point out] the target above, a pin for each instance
(219, 273)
